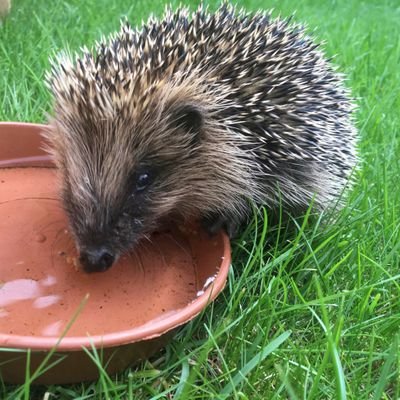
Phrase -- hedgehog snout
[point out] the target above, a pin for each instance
(96, 259)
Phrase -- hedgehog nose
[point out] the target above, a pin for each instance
(96, 259)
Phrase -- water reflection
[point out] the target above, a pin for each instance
(46, 301)
(17, 290)
(12, 292)
(53, 329)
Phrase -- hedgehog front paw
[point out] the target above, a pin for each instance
(215, 222)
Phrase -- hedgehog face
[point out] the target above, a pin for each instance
(105, 229)
(119, 177)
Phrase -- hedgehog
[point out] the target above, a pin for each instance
(198, 115)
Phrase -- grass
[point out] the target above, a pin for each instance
(309, 315)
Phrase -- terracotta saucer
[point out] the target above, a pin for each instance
(47, 302)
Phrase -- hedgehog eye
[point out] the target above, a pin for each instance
(142, 181)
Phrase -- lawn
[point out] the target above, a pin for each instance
(310, 312)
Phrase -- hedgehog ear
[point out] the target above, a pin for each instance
(189, 118)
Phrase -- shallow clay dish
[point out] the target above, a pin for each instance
(128, 312)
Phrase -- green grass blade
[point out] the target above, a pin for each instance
(254, 362)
